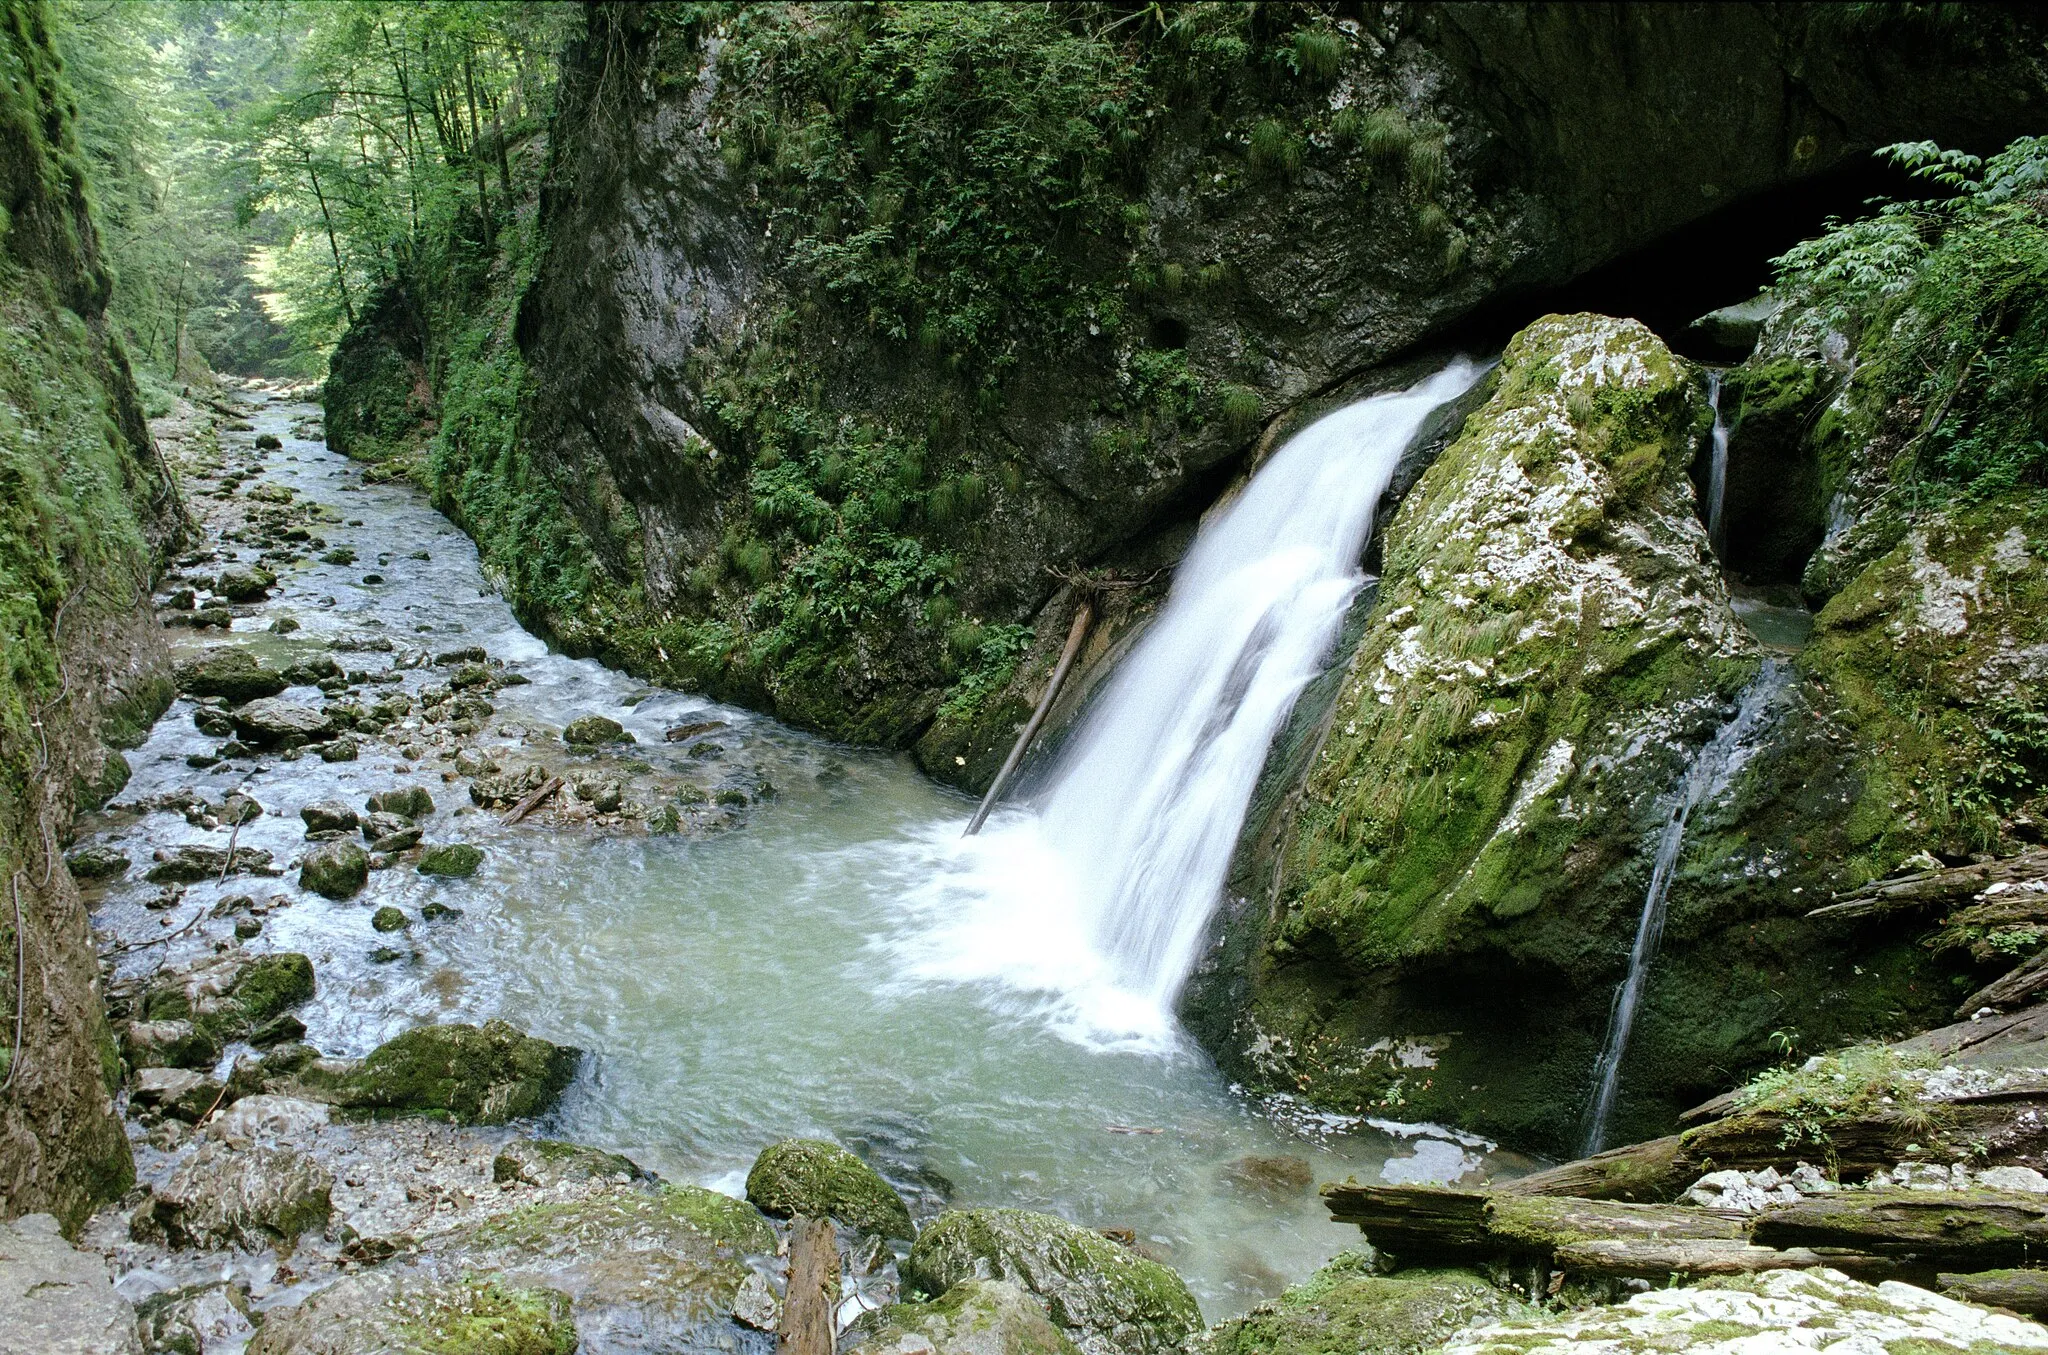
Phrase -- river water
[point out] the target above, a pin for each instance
(784, 972)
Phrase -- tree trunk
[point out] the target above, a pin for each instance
(340, 274)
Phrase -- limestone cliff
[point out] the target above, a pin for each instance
(85, 511)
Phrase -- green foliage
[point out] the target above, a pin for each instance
(1865, 1081)
(1239, 407)
(996, 652)
(1384, 134)
(1274, 149)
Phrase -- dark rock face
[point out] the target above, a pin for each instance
(1526, 146)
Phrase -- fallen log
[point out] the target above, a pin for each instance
(1084, 617)
(2021, 1291)
(1932, 886)
(1656, 1258)
(2013, 989)
(810, 1305)
(1922, 1231)
(1652, 1172)
(1429, 1223)
(532, 801)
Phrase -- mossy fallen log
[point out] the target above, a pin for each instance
(1923, 1231)
(1930, 887)
(2020, 1291)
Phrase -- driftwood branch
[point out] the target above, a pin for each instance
(1084, 617)
(532, 801)
(811, 1304)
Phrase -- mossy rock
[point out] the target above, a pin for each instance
(590, 730)
(548, 1162)
(974, 1317)
(384, 1310)
(99, 862)
(453, 860)
(245, 585)
(336, 869)
(232, 673)
(388, 919)
(273, 984)
(823, 1180)
(1345, 1309)
(1103, 1296)
(471, 1074)
(412, 802)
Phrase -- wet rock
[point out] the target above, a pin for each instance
(273, 720)
(328, 816)
(405, 839)
(340, 750)
(412, 802)
(473, 762)
(482, 1075)
(231, 673)
(380, 825)
(549, 1162)
(283, 625)
(384, 1310)
(974, 1317)
(388, 919)
(823, 1180)
(602, 793)
(312, 669)
(1105, 1298)
(508, 787)
(683, 733)
(244, 585)
(336, 869)
(194, 1319)
(97, 862)
(590, 730)
(1275, 1175)
(455, 860)
(229, 996)
(470, 675)
(268, 442)
(56, 1299)
(248, 928)
(194, 862)
(212, 722)
(1345, 1306)
(450, 658)
(223, 1196)
(176, 1093)
(169, 1044)
(277, 1030)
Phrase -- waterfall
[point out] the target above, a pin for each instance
(1147, 798)
(1712, 769)
(1717, 467)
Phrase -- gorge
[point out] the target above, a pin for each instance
(527, 525)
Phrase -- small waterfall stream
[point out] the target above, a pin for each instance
(1717, 468)
(1712, 769)
(1136, 829)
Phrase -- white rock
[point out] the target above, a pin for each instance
(2014, 1178)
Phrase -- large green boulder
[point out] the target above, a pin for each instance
(1345, 1309)
(453, 860)
(1104, 1297)
(974, 1317)
(590, 730)
(222, 999)
(230, 672)
(471, 1074)
(337, 869)
(823, 1180)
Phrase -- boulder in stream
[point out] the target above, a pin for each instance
(1106, 1298)
(455, 860)
(823, 1180)
(329, 816)
(274, 720)
(251, 1197)
(474, 1075)
(229, 672)
(974, 1317)
(337, 869)
(411, 802)
(591, 730)
(98, 862)
(244, 585)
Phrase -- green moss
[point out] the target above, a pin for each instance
(718, 1220)
(1346, 1309)
(487, 1318)
(811, 1177)
(488, 1074)
(272, 984)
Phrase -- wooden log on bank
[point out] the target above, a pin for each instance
(1925, 1231)
(1420, 1224)
(2016, 988)
(810, 1305)
(2020, 1291)
(1655, 1258)
(1654, 1172)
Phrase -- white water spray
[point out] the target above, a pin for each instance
(1125, 859)
(1717, 467)
(1710, 773)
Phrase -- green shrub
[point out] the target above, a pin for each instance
(1318, 55)
(1239, 407)
(1385, 134)
(1274, 150)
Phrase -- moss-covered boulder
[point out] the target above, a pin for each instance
(472, 1074)
(412, 802)
(823, 1180)
(230, 672)
(452, 860)
(590, 730)
(389, 919)
(388, 1310)
(548, 1162)
(245, 585)
(337, 869)
(1104, 1297)
(225, 998)
(974, 1317)
(1346, 1309)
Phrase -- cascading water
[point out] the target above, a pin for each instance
(1710, 773)
(1717, 467)
(1126, 854)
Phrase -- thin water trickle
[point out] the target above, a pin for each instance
(1717, 468)
(799, 973)
(1711, 771)
(1102, 892)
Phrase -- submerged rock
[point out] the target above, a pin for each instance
(1346, 1307)
(974, 1317)
(386, 1310)
(823, 1180)
(1104, 1297)
(337, 869)
(56, 1299)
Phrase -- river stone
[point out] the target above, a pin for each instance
(336, 869)
(549, 1162)
(1106, 1298)
(244, 585)
(229, 672)
(823, 1180)
(480, 1075)
(474, 762)
(226, 996)
(974, 1317)
(222, 1196)
(588, 730)
(175, 1093)
(388, 919)
(508, 787)
(411, 802)
(391, 1311)
(405, 839)
(195, 862)
(97, 863)
(194, 1319)
(56, 1299)
(274, 720)
(264, 1119)
(329, 816)
(169, 1044)
(456, 860)
(1345, 1306)
(648, 1269)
